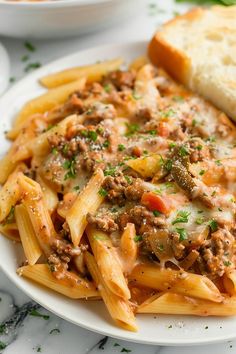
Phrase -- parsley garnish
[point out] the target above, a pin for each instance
(132, 129)
(106, 144)
(213, 225)
(70, 166)
(138, 238)
(178, 98)
(38, 314)
(29, 46)
(183, 151)
(32, 66)
(2, 345)
(102, 192)
(227, 263)
(54, 151)
(76, 188)
(152, 132)
(10, 217)
(25, 58)
(182, 234)
(121, 147)
(218, 162)
(128, 179)
(172, 145)
(111, 171)
(201, 173)
(124, 350)
(55, 330)
(2, 328)
(182, 216)
(199, 221)
(168, 113)
(107, 88)
(92, 135)
(156, 213)
(136, 96)
(199, 147)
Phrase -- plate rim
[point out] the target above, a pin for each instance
(90, 326)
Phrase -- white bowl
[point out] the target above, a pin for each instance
(61, 18)
(4, 69)
(162, 330)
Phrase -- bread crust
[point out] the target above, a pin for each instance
(161, 53)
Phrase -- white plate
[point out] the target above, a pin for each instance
(163, 330)
(4, 69)
(59, 19)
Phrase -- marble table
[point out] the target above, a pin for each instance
(25, 327)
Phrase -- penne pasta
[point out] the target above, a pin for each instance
(36, 207)
(177, 304)
(176, 281)
(107, 262)
(71, 286)
(119, 309)
(50, 195)
(129, 248)
(27, 235)
(92, 72)
(147, 166)
(10, 231)
(10, 192)
(138, 63)
(45, 102)
(86, 202)
(229, 281)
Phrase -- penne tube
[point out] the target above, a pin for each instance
(93, 72)
(147, 166)
(32, 199)
(176, 281)
(119, 309)
(50, 195)
(27, 235)
(107, 262)
(86, 202)
(129, 248)
(177, 304)
(138, 63)
(229, 281)
(10, 192)
(66, 204)
(45, 103)
(10, 231)
(71, 286)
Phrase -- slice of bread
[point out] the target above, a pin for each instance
(199, 50)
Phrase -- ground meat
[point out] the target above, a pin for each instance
(121, 79)
(135, 190)
(198, 151)
(115, 187)
(98, 112)
(177, 247)
(104, 222)
(216, 252)
(94, 89)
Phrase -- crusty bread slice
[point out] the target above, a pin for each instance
(199, 50)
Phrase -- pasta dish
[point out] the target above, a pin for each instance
(120, 186)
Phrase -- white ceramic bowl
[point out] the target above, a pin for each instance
(163, 330)
(61, 18)
(4, 69)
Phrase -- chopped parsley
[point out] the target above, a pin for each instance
(55, 331)
(138, 238)
(2, 328)
(218, 163)
(152, 132)
(38, 314)
(76, 188)
(213, 225)
(168, 113)
(25, 58)
(156, 213)
(106, 144)
(136, 96)
(102, 192)
(182, 217)
(227, 263)
(92, 135)
(183, 151)
(161, 248)
(107, 88)
(199, 221)
(116, 345)
(178, 98)
(110, 171)
(32, 66)
(2, 345)
(199, 147)
(128, 179)
(121, 147)
(168, 164)
(182, 233)
(70, 166)
(28, 45)
(12, 79)
(201, 173)
(124, 350)
(10, 217)
(172, 145)
(132, 129)
(54, 151)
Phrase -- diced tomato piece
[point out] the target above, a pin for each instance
(163, 129)
(157, 202)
